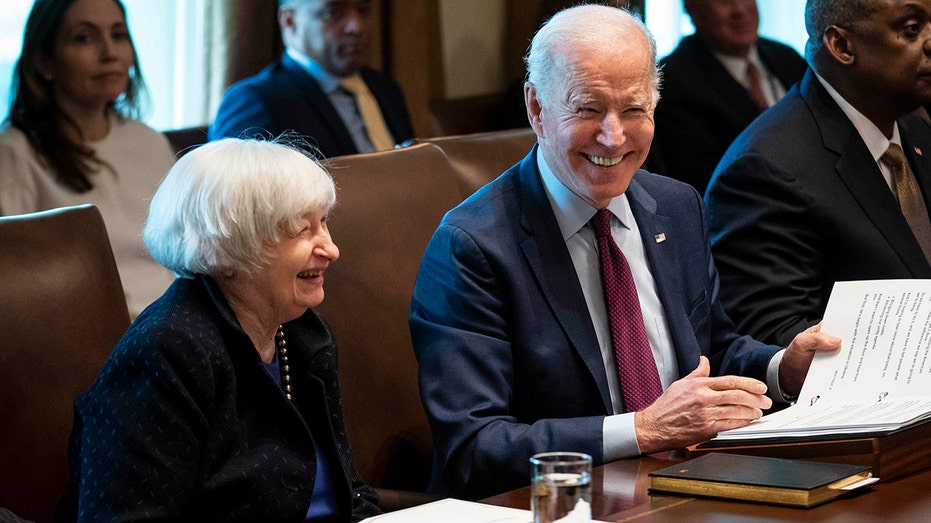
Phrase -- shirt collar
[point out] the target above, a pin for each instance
(328, 82)
(874, 139)
(572, 212)
(737, 65)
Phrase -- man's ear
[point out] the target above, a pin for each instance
(534, 108)
(838, 43)
(286, 16)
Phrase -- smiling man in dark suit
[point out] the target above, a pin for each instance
(708, 93)
(522, 346)
(806, 196)
(320, 88)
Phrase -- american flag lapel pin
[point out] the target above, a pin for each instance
(918, 151)
(660, 238)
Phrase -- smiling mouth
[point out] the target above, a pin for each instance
(603, 161)
(306, 275)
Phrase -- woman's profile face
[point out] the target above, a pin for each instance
(292, 282)
(93, 54)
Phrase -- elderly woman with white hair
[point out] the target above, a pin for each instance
(221, 402)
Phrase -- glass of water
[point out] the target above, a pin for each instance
(561, 487)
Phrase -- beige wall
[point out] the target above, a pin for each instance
(473, 34)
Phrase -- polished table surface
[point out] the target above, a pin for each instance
(619, 493)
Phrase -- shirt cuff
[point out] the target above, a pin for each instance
(773, 390)
(619, 437)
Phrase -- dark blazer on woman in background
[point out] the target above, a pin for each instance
(508, 357)
(798, 203)
(283, 97)
(702, 108)
(185, 424)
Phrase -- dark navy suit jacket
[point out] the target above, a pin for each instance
(509, 360)
(283, 97)
(703, 108)
(185, 424)
(798, 203)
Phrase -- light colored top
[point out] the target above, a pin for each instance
(139, 156)
(619, 435)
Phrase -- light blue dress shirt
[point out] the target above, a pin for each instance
(343, 101)
(573, 214)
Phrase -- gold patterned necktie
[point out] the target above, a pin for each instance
(909, 196)
(371, 114)
(753, 85)
(636, 368)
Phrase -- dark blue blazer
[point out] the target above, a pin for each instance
(703, 108)
(283, 97)
(508, 357)
(798, 203)
(185, 424)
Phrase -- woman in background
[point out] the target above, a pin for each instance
(221, 401)
(71, 137)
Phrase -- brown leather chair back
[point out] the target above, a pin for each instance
(480, 157)
(62, 310)
(183, 140)
(388, 205)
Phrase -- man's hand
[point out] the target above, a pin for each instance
(697, 407)
(798, 356)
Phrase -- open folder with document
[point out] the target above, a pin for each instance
(880, 379)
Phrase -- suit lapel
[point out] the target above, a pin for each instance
(915, 133)
(721, 81)
(387, 107)
(659, 243)
(778, 64)
(319, 102)
(860, 174)
(548, 258)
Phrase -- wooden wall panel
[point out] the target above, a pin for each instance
(412, 55)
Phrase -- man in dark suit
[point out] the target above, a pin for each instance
(310, 89)
(804, 197)
(516, 338)
(708, 95)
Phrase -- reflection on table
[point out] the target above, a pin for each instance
(620, 493)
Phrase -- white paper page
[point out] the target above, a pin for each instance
(451, 510)
(880, 378)
(454, 511)
(829, 418)
(885, 326)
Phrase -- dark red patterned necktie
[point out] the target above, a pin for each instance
(753, 85)
(636, 367)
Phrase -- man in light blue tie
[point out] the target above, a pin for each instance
(320, 88)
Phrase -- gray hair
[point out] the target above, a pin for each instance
(821, 14)
(584, 26)
(222, 205)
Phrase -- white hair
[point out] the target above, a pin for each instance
(222, 205)
(587, 26)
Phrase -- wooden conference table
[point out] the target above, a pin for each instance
(619, 494)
